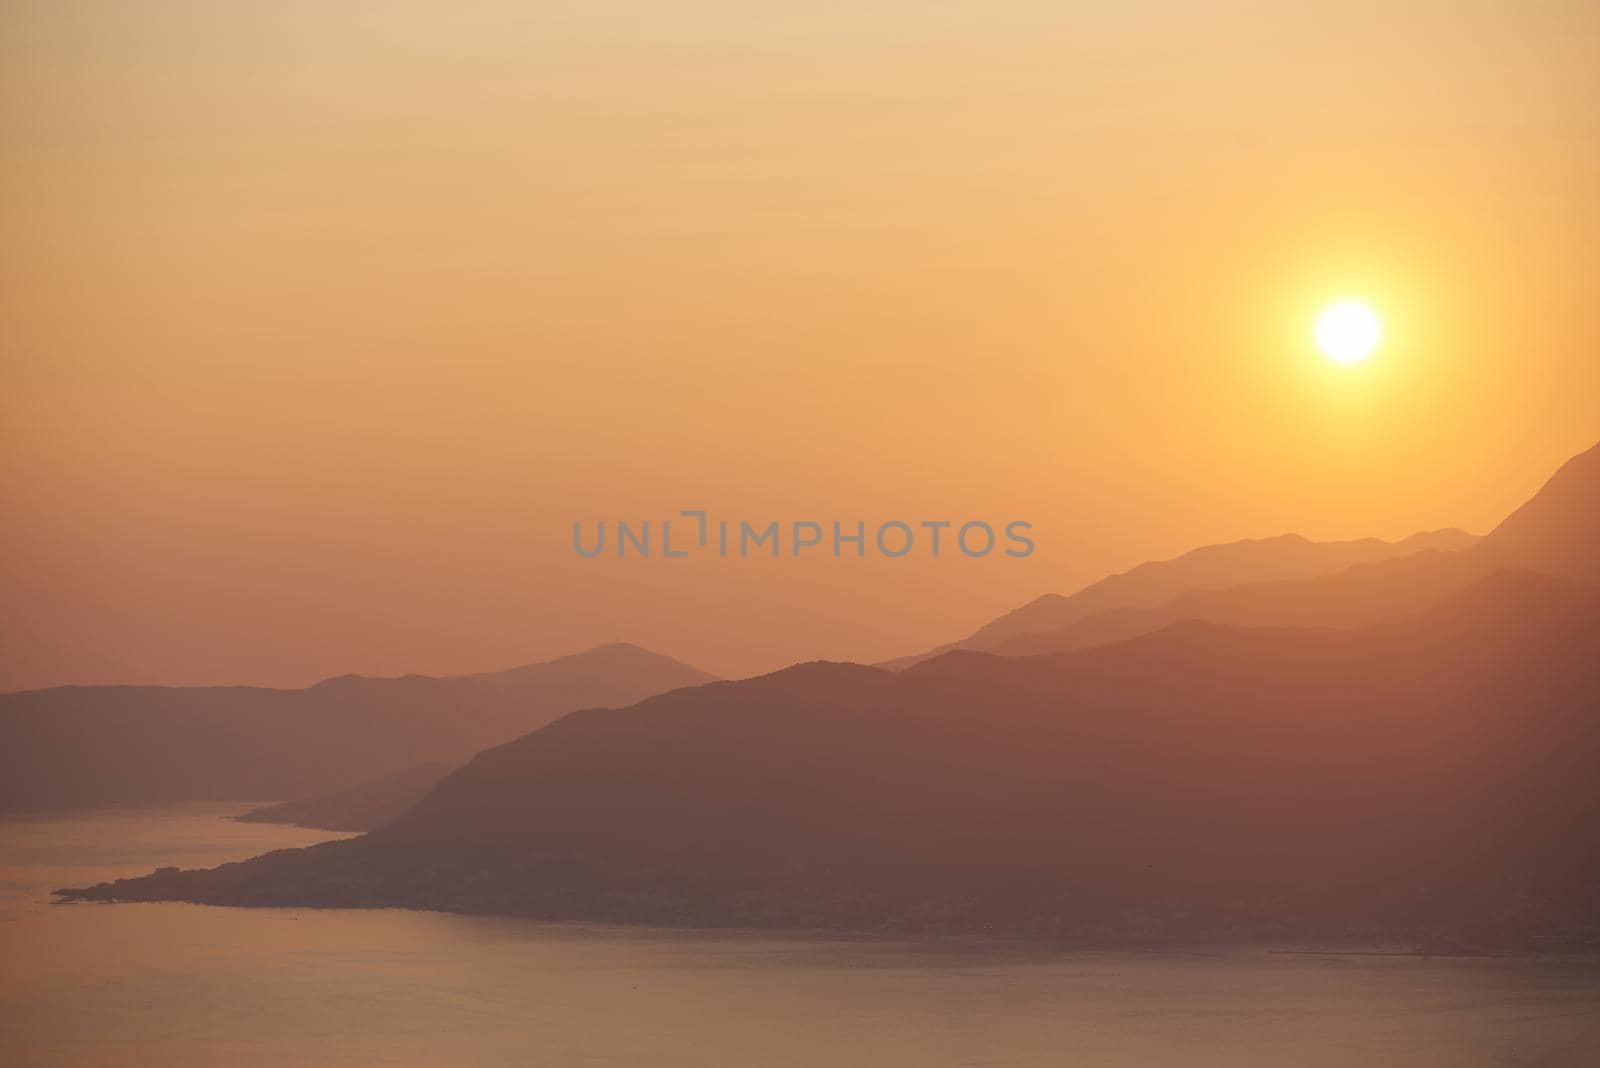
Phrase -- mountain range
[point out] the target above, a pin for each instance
(1211, 567)
(1290, 581)
(364, 806)
(94, 745)
(1425, 772)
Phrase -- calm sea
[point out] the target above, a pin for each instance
(177, 985)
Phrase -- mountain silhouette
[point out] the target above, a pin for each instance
(1211, 567)
(1363, 594)
(365, 806)
(94, 745)
(1556, 532)
(1559, 528)
(1428, 779)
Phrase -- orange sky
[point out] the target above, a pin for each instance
(321, 323)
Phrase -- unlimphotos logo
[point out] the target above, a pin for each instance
(893, 538)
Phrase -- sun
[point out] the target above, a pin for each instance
(1347, 331)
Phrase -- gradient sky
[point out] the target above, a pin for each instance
(321, 323)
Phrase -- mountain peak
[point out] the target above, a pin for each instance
(1558, 530)
(612, 656)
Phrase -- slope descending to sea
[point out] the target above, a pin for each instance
(366, 806)
(1428, 780)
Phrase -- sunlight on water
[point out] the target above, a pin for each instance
(188, 985)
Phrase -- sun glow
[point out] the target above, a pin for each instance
(1347, 331)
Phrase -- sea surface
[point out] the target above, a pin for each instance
(178, 985)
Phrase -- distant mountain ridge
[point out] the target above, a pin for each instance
(1210, 567)
(365, 806)
(1417, 781)
(1560, 525)
(1553, 533)
(96, 745)
(1429, 778)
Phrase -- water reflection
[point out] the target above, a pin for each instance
(183, 984)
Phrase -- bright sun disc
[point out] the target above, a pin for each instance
(1347, 331)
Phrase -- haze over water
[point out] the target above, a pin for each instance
(187, 985)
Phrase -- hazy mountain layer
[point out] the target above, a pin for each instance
(92, 745)
(1211, 567)
(363, 807)
(1433, 779)
(1555, 533)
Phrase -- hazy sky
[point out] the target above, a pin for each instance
(322, 323)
